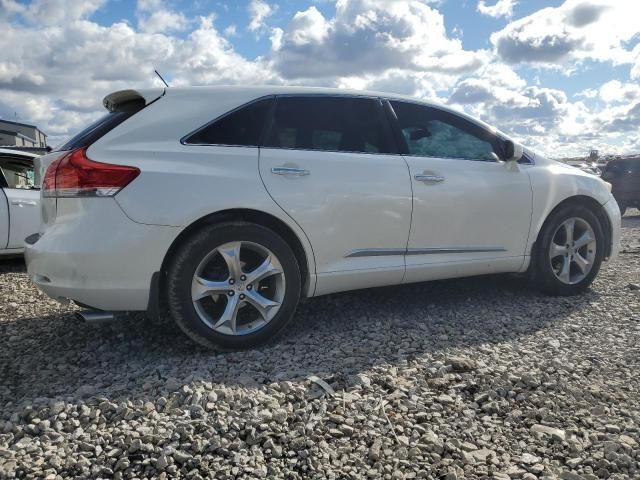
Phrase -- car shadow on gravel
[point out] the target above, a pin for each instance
(333, 336)
(12, 265)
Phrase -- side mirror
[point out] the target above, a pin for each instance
(512, 151)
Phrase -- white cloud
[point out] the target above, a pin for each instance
(163, 21)
(231, 31)
(259, 11)
(51, 12)
(615, 91)
(576, 30)
(371, 36)
(56, 73)
(155, 17)
(502, 8)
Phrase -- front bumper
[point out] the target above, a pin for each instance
(95, 255)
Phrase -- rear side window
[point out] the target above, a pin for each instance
(328, 124)
(241, 127)
(103, 125)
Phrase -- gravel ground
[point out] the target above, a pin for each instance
(473, 378)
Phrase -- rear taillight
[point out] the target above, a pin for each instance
(75, 175)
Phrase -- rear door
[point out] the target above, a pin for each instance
(328, 162)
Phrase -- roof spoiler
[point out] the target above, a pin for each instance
(112, 101)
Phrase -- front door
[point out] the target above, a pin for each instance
(471, 211)
(327, 163)
(4, 218)
(21, 201)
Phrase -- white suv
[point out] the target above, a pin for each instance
(223, 206)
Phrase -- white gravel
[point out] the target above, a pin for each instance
(472, 378)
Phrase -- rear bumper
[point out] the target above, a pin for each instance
(95, 255)
(613, 213)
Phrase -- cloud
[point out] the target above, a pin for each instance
(55, 71)
(51, 12)
(502, 8)
(56, 76)
(371, 36)
(155, 17)
(259, 11)
(615, 91)
(576, 30)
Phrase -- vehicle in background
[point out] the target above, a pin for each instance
(19, 200)
(222, 206)
(624, 176)
(591, 168)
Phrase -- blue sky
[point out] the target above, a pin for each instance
(560, 75)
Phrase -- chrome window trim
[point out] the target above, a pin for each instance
(183, 140)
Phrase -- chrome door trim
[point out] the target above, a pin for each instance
(381, 252)
(376, 252)
(432, 251)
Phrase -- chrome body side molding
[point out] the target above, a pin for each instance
(380, 252)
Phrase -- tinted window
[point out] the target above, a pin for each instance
(242, 127)
(328, 123)
(430, 132)
(103, 125)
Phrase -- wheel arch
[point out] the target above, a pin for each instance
(257, 217)
(592, 204)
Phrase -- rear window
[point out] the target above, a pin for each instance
(103, 125)
(242, 127)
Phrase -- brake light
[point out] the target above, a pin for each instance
(76, 175)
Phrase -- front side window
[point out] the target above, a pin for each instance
(430, 132)
(242, 127)
(329, 124)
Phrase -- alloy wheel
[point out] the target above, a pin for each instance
(573, 250)
(238, 288)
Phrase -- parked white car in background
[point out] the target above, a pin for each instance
(19, 200)
(225, 205)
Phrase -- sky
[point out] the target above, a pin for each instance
(562, 77)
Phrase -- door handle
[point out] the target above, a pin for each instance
(429, 178)
(290, 171)
(24, 203)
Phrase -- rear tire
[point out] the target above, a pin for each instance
(218, 310)
(565, 263)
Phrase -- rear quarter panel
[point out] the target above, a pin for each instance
(180, 184)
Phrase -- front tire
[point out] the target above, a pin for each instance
(233, 285)
(569, 251)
